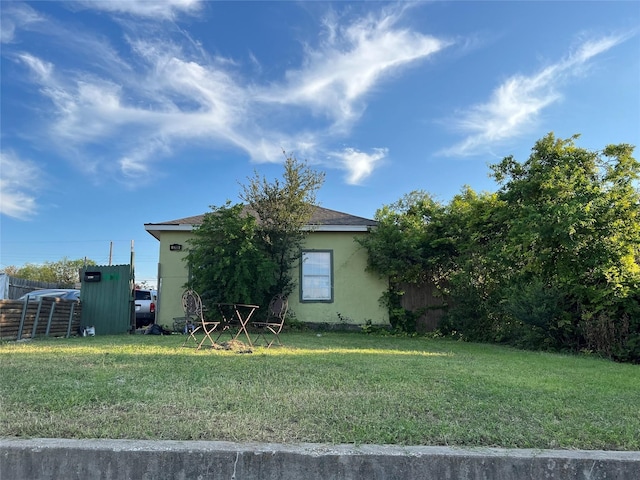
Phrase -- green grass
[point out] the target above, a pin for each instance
(333, 387)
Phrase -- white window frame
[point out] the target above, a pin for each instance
(316, 276)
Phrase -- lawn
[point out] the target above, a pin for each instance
(328, 387)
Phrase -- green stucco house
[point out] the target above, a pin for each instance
(333, 285)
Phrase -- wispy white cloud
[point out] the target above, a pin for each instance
(359, 165)
(16, 16)
(515, 105)
(134, 165)
(170, 92)
(157, 9)
(18, 183)
(349, 64)
(41, 69)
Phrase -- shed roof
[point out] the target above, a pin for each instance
(322, 219)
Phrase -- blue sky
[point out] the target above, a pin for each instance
(119, 113)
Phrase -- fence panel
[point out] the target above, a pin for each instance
(14, 287)
(49, 317)
(426, 298)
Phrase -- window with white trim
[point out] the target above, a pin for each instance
(316, 272)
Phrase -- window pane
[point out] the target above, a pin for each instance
(317, 288)
(316, 276)
(317, 263)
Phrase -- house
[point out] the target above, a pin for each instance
(339, 291)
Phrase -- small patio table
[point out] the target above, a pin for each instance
(242, 313)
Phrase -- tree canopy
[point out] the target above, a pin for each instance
(244, 252)
(64, 272)
(283, 209)
(548, 261)
(227, 260)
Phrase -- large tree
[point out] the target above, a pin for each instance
(420, 240)
(399, 249)
(548, 261)
(227, 259)
(245, 252)
(283, 209)
(573, 223)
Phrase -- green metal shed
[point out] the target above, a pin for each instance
(107, 298)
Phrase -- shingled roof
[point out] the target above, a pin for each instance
(323, 219)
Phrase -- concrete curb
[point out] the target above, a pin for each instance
(53, 459)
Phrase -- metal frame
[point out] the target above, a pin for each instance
(274, 322)
(195, 321)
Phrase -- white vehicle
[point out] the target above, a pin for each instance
(145, 302)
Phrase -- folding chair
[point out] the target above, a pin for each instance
(274, 322)
(195, 321)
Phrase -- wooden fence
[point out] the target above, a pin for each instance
(426, 299)
(49, 317)
(14, 287)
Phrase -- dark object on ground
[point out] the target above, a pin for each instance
(155, 329)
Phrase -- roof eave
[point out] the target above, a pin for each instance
(337, 228)
(155, 229)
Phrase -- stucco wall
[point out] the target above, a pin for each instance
(356, 292)
(173, 275)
